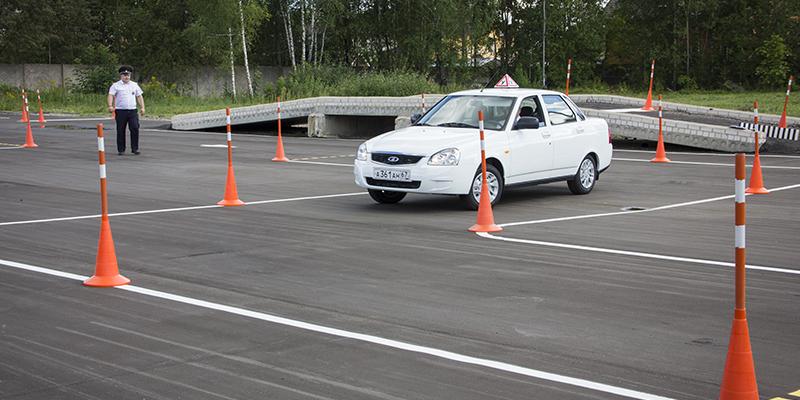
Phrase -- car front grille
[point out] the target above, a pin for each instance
(394, 184)
(395, 159)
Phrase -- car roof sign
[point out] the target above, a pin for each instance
(506, 82)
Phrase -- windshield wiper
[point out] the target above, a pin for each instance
(457, 125)
(422, 124)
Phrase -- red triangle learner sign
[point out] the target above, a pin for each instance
(506, 82)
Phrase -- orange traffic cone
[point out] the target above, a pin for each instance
(782, 121)
(41, 110)
(231, 198)
(29, 143)
(24, 117)
(485, 221)
(648, 105)
(661, 154)
(756, 180)
(279, 155)
(106, 268)
(739, 377)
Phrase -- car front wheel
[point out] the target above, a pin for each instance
(495, 180)
(386, 196)
(585, 178)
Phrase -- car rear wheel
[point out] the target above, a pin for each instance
(386, 196)
(495, 180)
(585, 178)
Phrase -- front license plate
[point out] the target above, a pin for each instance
(402, 175)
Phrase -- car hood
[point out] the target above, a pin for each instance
(422, 140)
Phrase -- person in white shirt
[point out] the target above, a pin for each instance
(123, 96)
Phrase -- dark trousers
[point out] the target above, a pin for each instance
(131, 119)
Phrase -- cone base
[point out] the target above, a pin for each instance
(30, 146)
(761, 190)
(739, 376)
(485, 228)
(660, 160)
(230, 203)
(106, 281)
(280, 159)
(647, 109)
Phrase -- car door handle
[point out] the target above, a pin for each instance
(579, 130)
(545, 135)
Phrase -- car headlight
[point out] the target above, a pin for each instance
(445, 157)
(361, 155)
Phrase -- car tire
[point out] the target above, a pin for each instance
(386, 196)
(496, 185)
(585, 178)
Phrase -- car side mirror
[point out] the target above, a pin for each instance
(415, 118)
(527, 123)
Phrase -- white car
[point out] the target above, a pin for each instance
(532, 136)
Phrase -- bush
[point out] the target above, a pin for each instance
(686, 83)
(342, 81)
(155, 89)
(772, 69)
(101, 71)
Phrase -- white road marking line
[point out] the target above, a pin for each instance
(165, 210)
(223, 146)
(447, 355)
(622, 110)
(704, 163)
(10, 148)
(327, 196)
(666, 207)
(703, 154)
(636, 254)
(80, 119)
(321, 163)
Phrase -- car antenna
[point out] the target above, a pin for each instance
(494, 75)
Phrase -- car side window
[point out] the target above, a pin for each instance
(558, 110)
(581, 115)
(530, 107)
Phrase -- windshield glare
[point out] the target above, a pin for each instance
(462, 112)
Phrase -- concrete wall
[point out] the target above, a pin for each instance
(203, 81)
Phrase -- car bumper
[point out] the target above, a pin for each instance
(424, 178)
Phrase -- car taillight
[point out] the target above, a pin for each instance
(609, 135)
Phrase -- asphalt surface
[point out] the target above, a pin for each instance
(408, 272)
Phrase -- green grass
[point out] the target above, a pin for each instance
(62, 101)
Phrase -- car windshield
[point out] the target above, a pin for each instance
(462, 112)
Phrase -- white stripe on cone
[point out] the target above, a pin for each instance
(740, 236)
(102, 171)
(740, 189)
(101, 144)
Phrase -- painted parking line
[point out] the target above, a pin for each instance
(659, 208)
(626, 110)
(638, 254)
(704, 154)
(324, 157)
(321, 163)
(166, 210)
(703, 163)
(80, 119)
(360, 337)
